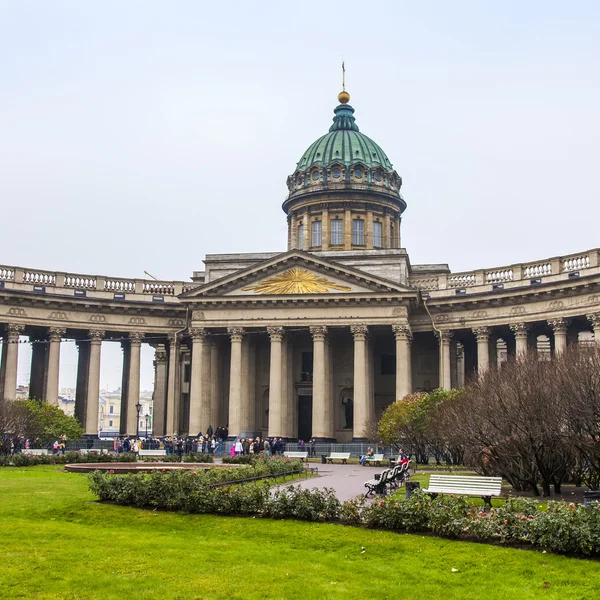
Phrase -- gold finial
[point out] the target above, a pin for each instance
(343, 96)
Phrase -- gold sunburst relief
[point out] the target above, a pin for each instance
(295, 281)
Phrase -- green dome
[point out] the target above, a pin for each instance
(344, 144)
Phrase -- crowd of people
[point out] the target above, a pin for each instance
(210, 442)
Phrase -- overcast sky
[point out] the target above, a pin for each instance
(142, 135)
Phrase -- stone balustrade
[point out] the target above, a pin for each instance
(93, 286)
(553, 269)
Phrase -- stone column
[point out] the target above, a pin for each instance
(325, 229)
(460, 365)
(132, 383)
(347, 231)
(39, 360)
(11, 360)
(55, 334)
(403, 336)
(322, 414)
(483, 349)
(276, 382)
(172, 419)
(363, 403)
(200, 401)
(369, 230)
(83, 366)
(93, 383)
(521, 331)
(216, 417)
(235, 381)
(594, 319)
(444, 338)
(159, 396)
(306, 234)
(559, 326)
(289, 411)
(293, 234)
(2, 365)
(387, 241)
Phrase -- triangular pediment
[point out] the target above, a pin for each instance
(296, 273)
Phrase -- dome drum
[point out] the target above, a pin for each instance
(344, 193)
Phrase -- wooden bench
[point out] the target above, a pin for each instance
(343, 456)
(147, 452)
(376, 458)
(465, 485)
(301, 455)
(378, 485)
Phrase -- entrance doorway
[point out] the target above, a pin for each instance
(304, 418)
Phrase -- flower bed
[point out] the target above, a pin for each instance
(557, 526)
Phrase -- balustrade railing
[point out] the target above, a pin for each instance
(39, 277)
(12, 277)
(7, 274)
(119, 285)
(508, 274)
(82, 282)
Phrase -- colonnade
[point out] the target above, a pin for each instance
(45, 369)
(204, 402)
(207, 378)
(559, 327)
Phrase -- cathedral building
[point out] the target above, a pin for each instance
(314, 341)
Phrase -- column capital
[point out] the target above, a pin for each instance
(594, 319)
(136, 337)
(275, 333)
(236, 333)
(519, 329)
(199, 334)
(160, 355)
(402, 331)
(174, 338)
(559, 324)
(444, 336)
(56, 333)
(360, 332)
(318, 332)
(14, 330)
(96, 335)
(482, 333)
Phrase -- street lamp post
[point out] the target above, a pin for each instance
(137, 423)
(147, 419)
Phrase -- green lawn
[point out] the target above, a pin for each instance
(58, 542)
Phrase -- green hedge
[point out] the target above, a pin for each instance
(31, 460)
(557, 526)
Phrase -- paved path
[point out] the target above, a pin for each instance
(348, 481)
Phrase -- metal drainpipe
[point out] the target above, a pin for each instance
(441, 356)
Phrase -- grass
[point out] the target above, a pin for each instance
(59, 543)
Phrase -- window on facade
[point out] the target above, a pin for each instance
(392, 242)
(111, 409)
(307, 365)
(336, 232)
(110, 424)
(358, 232)
(377, 241)
(300, 236)
(316, 233)
(187, 373)
(388, 364)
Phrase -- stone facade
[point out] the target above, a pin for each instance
(312, 342)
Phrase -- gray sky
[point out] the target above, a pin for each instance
(142, 135)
